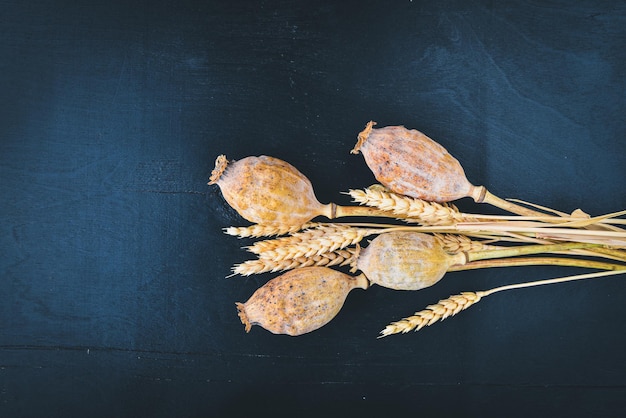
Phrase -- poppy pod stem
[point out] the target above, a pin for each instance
(537, 261)
(526, 250)
(344, 211)
(481, 195)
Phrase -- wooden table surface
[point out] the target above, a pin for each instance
(112, 255)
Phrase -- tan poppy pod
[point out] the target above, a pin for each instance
(406, 260)
(299, 301)
(408, 162)
(268, 191)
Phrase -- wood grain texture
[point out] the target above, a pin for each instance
(112, 257)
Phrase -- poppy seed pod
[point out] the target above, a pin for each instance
(299, 301)
(406, 260)
(408, 162)
(268, 191)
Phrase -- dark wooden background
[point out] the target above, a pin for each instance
(112, 258)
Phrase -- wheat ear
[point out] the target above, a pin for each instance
(257, 230)
(454, 243)
(457, 303)
(427, 213)
(433, 313)
(335, 258)
(322, 239)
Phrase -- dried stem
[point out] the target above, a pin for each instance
(510, 206)
(511, 232)
(538, 261)
(526, 250)
(347, 211)
(529, 231)
(589, 221)
(614, 238)
(552, 281)
(583, 220)
(506, 205)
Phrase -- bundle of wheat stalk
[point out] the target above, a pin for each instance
(423, 237)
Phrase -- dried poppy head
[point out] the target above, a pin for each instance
(406, 260)
(408, 162)
(267, 191)
(299, 301)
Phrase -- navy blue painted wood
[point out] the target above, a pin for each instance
(112, 258)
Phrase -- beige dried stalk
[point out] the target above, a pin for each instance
(322, 239)
(343, 257)
(413, 209)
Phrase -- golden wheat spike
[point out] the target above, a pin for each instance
(262, 265)
(257, 230)
(427, 213)
(323, 239)
(457, 303)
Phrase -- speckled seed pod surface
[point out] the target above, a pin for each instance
(299, 301)
(406, 260)
(408, 162)
(267, 191)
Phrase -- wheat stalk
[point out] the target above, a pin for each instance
(408, 208)
(257, 230)
(457, 303)
(322, 239)
(316, 231)
(433, 313)
(335, 258)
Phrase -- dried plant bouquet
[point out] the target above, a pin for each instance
(415, 235)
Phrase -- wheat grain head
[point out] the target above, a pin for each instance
(433, 313)
(408, 208)
(335, 258)
(455, 243)
(258, 230)
(322, 239)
